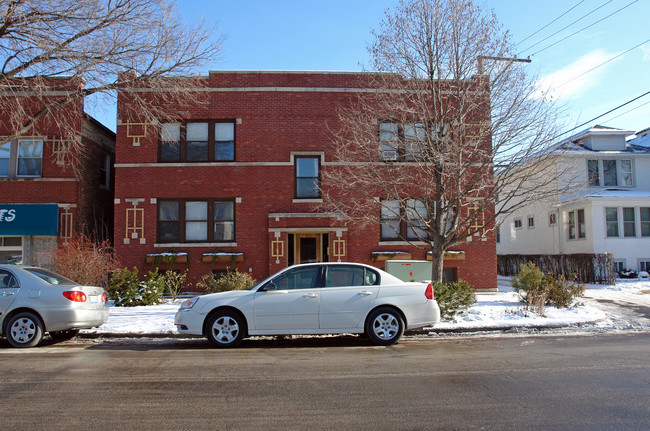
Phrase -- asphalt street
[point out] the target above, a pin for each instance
(594, 382)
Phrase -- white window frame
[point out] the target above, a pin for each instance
(14, 157)
(531, 221)
(620, 173)
(518, 221)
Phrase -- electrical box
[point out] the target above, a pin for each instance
(409, 270)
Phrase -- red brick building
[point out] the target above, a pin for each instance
(56, 179)
(234, 182)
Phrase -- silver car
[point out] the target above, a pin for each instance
(321, 298)
(35, 301)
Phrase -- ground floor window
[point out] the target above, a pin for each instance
(644, 265)
(577, 229)
(11, 249)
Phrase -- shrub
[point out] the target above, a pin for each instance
(231, 280)
(538, 290)
(564, 292)
(128, 291)
(454, 298)
(532, 286)
(174, 282)
(85, 261)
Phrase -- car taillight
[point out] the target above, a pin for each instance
(104, 297)
(75, 295)
(429, 292)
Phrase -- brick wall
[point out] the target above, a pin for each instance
(277, 115)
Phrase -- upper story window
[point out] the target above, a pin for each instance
(209, 220)
(631, 224)
(403, 220)
(307, 177)
(403, 142)
(21, 158)
(105, 172)
(197, 141)
(610, 173)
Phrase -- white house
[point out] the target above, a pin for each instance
(608, 211)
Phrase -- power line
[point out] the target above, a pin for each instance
(524, 40)
(584, 28)
(601, 64)
(602, 115)
(562, 29)
(629, 110)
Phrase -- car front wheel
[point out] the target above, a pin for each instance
(384, 326)
(225, 329)
(24, 330)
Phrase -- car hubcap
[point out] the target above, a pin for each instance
(23, 330)
(385, 326)
(225, 329)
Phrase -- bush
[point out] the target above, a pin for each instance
(174, 282)
(538, 290)
(128, 291)
(231, 280)
(85, 261)
(454, 298)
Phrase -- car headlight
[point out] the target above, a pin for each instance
(188, 304)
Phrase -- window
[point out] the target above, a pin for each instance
(296, 278)
(629, 222)
(22, 158)
(577, 227)
(498, 232)
(105, 172)
(531, 222)
(619, 265)
(11, 249)
(403, 220)
(611, 221)
(406, 142)
(615, 173)
(196, 221)
(644, 265)
(307, 178)
(592, 173)
(552, 219)
(343, 275)
(197, 141)
(518, 223)
(645, 221)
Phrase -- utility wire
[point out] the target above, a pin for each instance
(562, 29)
(601, 64)
(584, 28)
(524, 40)
(629, 110)
(602, 115)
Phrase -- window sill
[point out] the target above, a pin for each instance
(194, 244)
(307, 200)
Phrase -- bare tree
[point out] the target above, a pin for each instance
(450, 107)
(55, 53)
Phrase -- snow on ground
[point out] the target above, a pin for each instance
(499, 310)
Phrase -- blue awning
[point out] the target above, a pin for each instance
(29, 219)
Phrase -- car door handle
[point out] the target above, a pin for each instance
(365, 293)
(310, 295)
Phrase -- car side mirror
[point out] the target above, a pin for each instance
(268, 286)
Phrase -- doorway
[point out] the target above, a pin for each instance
(308, 248)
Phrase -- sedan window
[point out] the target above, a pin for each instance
(298, 278)
(51, 277)
(338, 276)
(7, 279)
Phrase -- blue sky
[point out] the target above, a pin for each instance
(334, 34)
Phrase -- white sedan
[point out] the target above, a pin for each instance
(34, 301)
(321, 298)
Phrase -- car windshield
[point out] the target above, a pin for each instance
(51, 277)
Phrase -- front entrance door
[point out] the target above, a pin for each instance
(308, 248)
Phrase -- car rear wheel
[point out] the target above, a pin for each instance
(225, 329)
(384, 326)
(59, 336)
(24, 330)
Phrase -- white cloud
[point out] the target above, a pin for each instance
(572, 80)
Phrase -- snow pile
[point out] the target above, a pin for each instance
(491, 311)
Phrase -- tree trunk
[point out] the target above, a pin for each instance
(436, 264)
